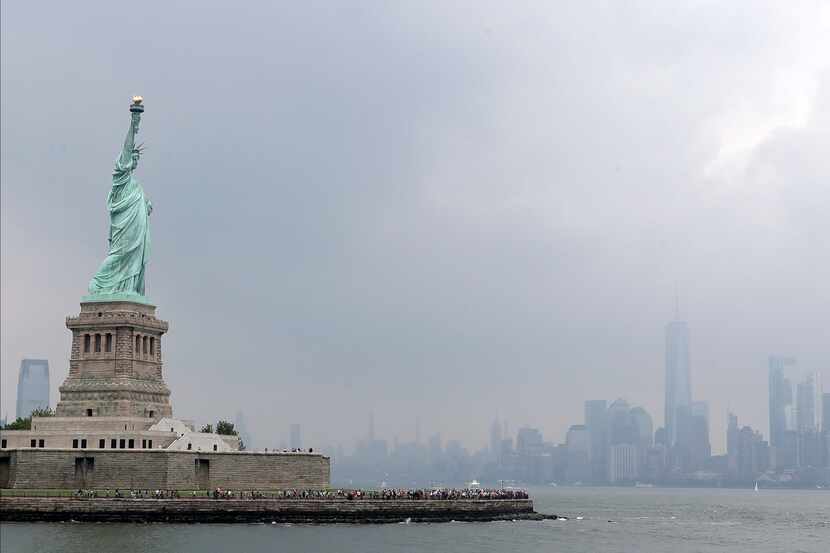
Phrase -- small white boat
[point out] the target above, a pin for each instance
(473, 485)
(756, 485)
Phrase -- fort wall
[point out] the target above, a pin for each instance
(160, 469)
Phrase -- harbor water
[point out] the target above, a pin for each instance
(599, 520)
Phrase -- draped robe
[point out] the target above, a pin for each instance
(129, 243)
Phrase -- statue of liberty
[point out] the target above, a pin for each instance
(122, 273)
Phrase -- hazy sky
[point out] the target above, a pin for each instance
(442, 210)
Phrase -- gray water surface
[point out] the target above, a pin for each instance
(642, 520)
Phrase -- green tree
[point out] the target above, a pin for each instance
(20, 424)
(207, 429)
(25, 423)
(225, 428)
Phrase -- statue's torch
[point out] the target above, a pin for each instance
(136, 106)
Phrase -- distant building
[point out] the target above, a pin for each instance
(781, 402)
(692, 449)
(806, 408)
(32, 386)
(810, 449)
(752, 454)
(495, 441)
(678, 377)
(700, 444)
(732, 439)
(655, 465)
(529, 441)
(645, 427)
(533, 462)
(596, 420)
(621, 427)
(645, 435)
(295, 440)
(578, 443)
(622, 463)
(785, 455)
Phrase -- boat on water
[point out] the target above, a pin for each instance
(474, 484)
(756, 485)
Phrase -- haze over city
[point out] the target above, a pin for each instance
(443, 213)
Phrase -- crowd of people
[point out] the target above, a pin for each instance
(434, 493)
(347, 494)
(127, 494)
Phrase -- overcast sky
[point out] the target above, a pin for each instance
(444, 210)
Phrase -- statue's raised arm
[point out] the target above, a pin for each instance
(128, 159)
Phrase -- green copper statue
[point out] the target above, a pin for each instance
(121, 275)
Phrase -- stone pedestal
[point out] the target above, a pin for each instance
(115, 369)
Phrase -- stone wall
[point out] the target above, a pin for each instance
(162, 469)
(263, 510)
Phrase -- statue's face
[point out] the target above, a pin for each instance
(135, 159)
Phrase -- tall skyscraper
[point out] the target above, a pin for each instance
(295, 440)
(807, 406)
(32, 386)
(596, 421)
(678, 378)
(780, 399)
